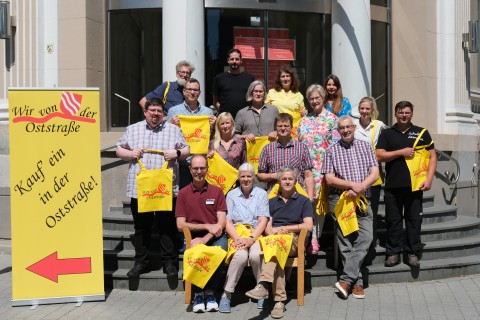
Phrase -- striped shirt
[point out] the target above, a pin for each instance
(164, 137)
(350, 162)
(274, 155)
(239, 210)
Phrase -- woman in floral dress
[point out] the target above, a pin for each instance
(317, 130)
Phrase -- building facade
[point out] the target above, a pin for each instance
(392, 50)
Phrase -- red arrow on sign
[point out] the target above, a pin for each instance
(50, 267)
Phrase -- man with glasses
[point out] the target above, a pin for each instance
(350, 166)
(203, 209)
(285, 151)
(153, 133)
(394, 145)
(230, 87)
(171, 92)
(189, 107)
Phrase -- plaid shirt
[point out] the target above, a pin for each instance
(164, 137)
(350, 162)
(274, 155)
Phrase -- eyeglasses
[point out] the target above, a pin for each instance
(315, 99)
(153, 111)
(350, 126)
(192, 90)
(198, 168)
(185, 73)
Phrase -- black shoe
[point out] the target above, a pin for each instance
(170, 270)
(392, 260)
(412, 261)
(137, 270)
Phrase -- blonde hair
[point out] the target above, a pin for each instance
(373, 104)
(220, 118)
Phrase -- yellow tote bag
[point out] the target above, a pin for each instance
(200, 263)
(296, 122)
(221, 173)
(276, 187)
(155, 189)
(380, 179)
(322, 202)
(196, 131)
(418, 164)
(243, 231)
(278, 246)
(254, 149)
(345, 212)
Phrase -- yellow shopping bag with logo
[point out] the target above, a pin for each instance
(200, 263)
(155, 189)
(221, 173)
(278, 246)
(296, 122)
(254, 149)
(380, 178)
(345, 212)
(418, 164)
(276, 187)
(243, 231)
(322, 202)
(196, 131)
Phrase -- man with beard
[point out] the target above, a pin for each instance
(156, 134)
(173, 89)
(350, 166)
(230, 88)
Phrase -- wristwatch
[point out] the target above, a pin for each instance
(179, 153)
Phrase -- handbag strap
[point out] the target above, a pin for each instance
(165, 93)
(375, 122)
(362, 203)
(418, 138)
(164, 166)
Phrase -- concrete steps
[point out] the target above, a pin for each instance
(452, 248)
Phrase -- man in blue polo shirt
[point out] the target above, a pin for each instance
(173, 89)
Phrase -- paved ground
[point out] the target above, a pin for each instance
(455, 298)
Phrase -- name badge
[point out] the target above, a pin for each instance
(210, 201)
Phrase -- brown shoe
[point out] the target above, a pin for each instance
(278, 310)
(412, 261)
(357, 292)
(343, 288)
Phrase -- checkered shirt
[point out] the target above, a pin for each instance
(349, 162)
(295, 153)
(140, 135)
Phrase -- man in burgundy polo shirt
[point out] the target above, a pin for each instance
(202, 208)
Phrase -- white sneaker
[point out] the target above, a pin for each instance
(199, 303)
(212, 304)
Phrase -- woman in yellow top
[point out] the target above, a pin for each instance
(285, 95)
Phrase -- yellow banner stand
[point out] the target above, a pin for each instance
(56, 196)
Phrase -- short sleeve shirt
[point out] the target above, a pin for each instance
(391, 139)
(274, 155)
(349, 162)
(247, 213)
(231, 89)
(291, 212)
(141, 135)
(174, 95)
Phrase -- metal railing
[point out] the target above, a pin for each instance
(451, 176)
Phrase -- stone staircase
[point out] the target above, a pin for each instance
(452, 248)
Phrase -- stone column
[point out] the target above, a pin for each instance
(184, 38)
(351, 48)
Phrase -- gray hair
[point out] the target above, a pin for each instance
(246, 167)
(343, 118)
(288, 168)
(252, 85)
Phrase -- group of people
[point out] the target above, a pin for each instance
(320, 149)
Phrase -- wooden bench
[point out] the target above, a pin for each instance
(295, 262)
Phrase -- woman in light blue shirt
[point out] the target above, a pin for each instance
(247, 205)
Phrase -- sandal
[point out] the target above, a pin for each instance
(314, 247)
